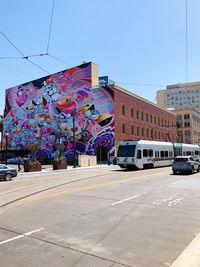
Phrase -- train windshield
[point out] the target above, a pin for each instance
(126, 151)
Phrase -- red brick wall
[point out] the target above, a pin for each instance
(166, 133)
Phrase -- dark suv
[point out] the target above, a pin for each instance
(185, 164)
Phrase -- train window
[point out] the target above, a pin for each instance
(166, 154)
(157, 154)
(170, 154)
(145, 153)
(139, 154)
(150, 152)
(162, 154)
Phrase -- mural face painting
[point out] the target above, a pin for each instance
(53, 110)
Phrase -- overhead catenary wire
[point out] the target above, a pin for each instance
(23, 56)
(186, 41)
(141, 84)
(13, 69)
(61, 60)
(50, 26)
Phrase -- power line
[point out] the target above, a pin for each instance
(37, 65)
(59, 59)
(142, 84)
(13, 69)
(50, 27)
(23, 56)
(186, 41)
(11, 43)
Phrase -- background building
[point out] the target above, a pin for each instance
(188, 126)
(179, 96)
(184, 100)
(71, 109)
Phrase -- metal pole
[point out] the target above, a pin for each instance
(74, 140)
(6, 159)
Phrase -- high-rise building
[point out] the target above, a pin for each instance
(180, 96)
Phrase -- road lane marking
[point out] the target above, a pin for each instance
(177, 182)
(190, 257)
(120, 201)
(168, 201)
(20, 236)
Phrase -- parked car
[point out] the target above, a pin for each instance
(185, 164)
(12, 160)
(7, 173)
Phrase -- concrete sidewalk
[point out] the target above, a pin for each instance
(49, 168)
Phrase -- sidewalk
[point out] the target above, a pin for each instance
(49, 168)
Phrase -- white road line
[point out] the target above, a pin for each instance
(20, 236)
(190, 257)
(118, 202)
(179, 181)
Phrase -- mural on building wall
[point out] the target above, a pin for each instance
(48, 112)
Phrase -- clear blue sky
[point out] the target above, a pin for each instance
(132, 41)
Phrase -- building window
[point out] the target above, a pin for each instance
(123, 128)
(142, 115)
(187, 124)
(150, 118)
(138, 130)
(155, 120)
(147, 117)
(186, 116)
(142, 132)
(132, 113)
(147, 133)
(179, 117)
(132, 130)
(123, 109)
(137, 115)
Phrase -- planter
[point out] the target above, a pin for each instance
(59, 165)
(32, 167)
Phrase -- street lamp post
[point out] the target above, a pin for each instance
(6, 155)
(74, 140)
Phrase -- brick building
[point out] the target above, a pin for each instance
(138, 118)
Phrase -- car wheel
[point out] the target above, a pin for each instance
(198, 169)
(174, 172)
(8, 177)
(192, 171)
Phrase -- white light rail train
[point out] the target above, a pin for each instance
(143, 154)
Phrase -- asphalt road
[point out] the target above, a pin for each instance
(100, 217)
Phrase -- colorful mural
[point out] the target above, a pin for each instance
(54, 109)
